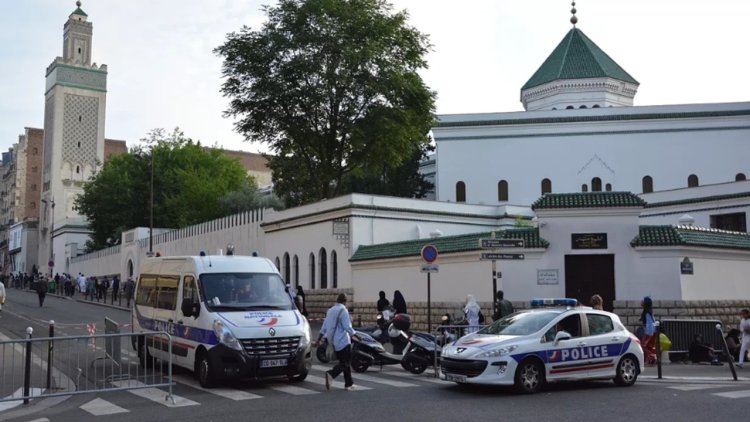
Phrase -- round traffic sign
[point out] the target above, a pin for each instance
(429, 253)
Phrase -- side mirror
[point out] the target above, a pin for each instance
(189, 308)
(562, 335)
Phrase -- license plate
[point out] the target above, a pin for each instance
(273, 363)
(455, 378)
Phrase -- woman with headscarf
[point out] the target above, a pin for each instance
(472, 312)
(648, 342)
(300, 300)
(399, 303)
(382, 302)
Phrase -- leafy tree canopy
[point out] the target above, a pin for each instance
(331, 86)
(189, 184)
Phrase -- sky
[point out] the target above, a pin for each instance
(163, 72)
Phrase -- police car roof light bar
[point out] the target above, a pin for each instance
(553, 302)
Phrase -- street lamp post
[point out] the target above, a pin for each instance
(151, 211)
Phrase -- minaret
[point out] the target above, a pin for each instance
(578, 74)
(74, 111)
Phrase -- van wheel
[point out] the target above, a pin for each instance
(529, 376)
(299, 377)
(627, 371)
(204, 372)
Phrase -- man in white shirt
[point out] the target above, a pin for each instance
(744, 328)
(337, 328)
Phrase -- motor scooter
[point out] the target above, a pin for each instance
(367, 351)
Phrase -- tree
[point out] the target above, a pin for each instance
(331, 86)
(188, 182)
(403, 180)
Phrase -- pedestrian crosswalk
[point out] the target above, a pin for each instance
(729, 390)
(188, 392)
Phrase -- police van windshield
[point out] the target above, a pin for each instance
(244, 291)
(521, 323)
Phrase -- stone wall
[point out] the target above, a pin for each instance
(726, 311)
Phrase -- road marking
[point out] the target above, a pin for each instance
(228, 393)
(335, 384)
(734, 394)
(371, 379)
(99, 407)
(19, 393)
(695, 387)
(40, 420)
(293, 390)
(425, 377)
(154, 394)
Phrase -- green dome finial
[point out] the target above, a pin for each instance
(573, 19)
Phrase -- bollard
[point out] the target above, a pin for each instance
(359, 320)
(50, 350)
(726, 352)
(27, 368)
(658, 348)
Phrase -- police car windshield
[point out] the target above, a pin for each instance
(244, 291)
(521, 323)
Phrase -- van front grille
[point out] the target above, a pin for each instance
(270, 346)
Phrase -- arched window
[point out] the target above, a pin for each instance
(312, 270)
(546, 186)
(502, 190)
(583, 106)
(692, 181)
(570, 107)
(595, 106)
(608, 187)
(648, 184)
(130, 268)
(295, 264)
(460, 192)
(287, 268)
(334, 270)
(596, 184)
(323, 268)
(740, 177)
(584, 188)
(278, 264)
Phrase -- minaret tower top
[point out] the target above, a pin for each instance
(77, 38)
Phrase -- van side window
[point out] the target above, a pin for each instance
(146, 291)
(190, 289)
(167, 286)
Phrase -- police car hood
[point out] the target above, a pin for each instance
(483, 341)
(269, 318)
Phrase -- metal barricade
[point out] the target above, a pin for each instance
(83, 364)
(682, 332)
(445, 334)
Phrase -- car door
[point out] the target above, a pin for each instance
(187, 329)
(604, 344)
(564, 360)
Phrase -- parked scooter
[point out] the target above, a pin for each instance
(421, 350)
(367, 351)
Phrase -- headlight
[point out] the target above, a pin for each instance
(500, 351)
(225, 336)
(305, 340)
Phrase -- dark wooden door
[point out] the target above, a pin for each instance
(587, 275)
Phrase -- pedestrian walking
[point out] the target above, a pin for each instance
(473, 314)
(301, 302)
(648, 342)
(2, 295)
(129, 288)
(337, 329)
(597, 302)
(115, 288)
(503, 307)
(744, 328)
(41, 287)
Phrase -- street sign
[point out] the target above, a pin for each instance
(500, 243)
(429, 253)
(487, 256)
(430, 268)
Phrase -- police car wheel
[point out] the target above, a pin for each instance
(298, 378)
(627, 371)
(529, 376)
(204, 372)
(144, 357)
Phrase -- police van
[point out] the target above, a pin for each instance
(554, 341)
(228, 317)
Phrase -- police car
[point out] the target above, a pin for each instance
(554, 341)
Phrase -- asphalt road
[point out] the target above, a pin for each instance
(390, 394)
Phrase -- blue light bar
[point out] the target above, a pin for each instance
(541, 303)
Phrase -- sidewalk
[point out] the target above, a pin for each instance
(695, 372)
(78, 297)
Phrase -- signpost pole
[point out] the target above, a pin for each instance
(494, 287)
(429, 305)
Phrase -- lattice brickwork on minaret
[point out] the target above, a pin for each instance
(80, 129)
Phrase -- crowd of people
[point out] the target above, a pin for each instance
(92, 288)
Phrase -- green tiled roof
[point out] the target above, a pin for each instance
(446, 244)
(690, 236)
(577, 57)
(588, 200)
(79, 12)
(699, 200)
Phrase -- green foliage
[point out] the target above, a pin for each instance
(188, 182)
(332, 87)
(247, 198)
(385, 179)
(523, 222)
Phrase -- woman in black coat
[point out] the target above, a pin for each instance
(382, 302)
(399, 303)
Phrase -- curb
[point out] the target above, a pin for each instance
(696, 380)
